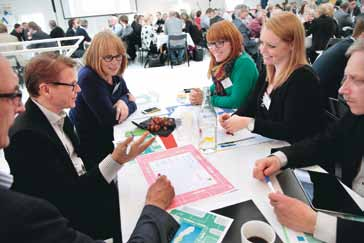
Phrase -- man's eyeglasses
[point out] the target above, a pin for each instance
(109, 58)
(216, 44)
(15, 97)
(73, 85)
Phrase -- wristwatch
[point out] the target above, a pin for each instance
(251, 124)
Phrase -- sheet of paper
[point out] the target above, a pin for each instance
(241, 135)
(191, 175)
(199, 226)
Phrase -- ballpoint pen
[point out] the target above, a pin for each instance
(268, 181)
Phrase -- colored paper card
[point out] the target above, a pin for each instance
(191, 175)
(199, 226)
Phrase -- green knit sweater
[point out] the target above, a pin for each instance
(243, 77)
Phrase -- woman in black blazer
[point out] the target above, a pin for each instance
(286, 103)
(322, 29)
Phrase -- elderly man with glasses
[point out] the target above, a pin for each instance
(43, 157)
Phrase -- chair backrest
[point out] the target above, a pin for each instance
(177, 41)
(337, 109)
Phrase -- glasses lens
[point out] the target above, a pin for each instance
(118, 57)
(108, 58)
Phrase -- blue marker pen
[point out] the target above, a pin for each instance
(268, 181)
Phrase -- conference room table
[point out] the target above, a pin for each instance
(235, 164)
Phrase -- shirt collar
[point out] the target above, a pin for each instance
(53, 118)
(6, 179)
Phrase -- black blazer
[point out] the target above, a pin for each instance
(330, 67)
(26, 219)
(295, 111)
(341, 143)
(83, 32)
(42, 167)
(322, 29)
(57, 32)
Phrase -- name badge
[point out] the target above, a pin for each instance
(266, 100)
(226, 83)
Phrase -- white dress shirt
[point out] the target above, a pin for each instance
(108, 167)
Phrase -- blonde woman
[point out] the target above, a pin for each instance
(286, 102)
(104, 100)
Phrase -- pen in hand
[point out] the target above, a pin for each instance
(269, 183)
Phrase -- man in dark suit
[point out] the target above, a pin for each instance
(330, 65)
(56, 31)
(36, 33)
(44, 142)
(241, 11)
(81, 31)
(342, 143)
(343, 17)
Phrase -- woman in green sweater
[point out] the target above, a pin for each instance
(231, 69)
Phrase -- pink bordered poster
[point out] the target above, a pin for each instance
(191, 175)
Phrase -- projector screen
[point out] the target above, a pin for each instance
(85, 8)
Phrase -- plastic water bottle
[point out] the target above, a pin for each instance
(207, 122)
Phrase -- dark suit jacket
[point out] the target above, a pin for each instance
(83, 32)
(57, 32)
(330, 67)
(40, 35)
(26, 219)
(42, 167)
(322, 29)
(342, 143)
(295, 110)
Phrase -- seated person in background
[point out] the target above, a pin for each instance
(56, 31)
(45, 135)
(104, 100)
(149, 35)
(6, 38)
(342, 143)
(36, 33)
(82, 31)
(17, 32)
(322, 29)
(232, 70)
(330, 65)
(286, 103)
(127, 36)
(25, 219)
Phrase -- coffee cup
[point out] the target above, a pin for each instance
(256, 231)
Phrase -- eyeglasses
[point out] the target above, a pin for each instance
(14, 97)
(73, 85)
(216, 44)
(109, 58)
